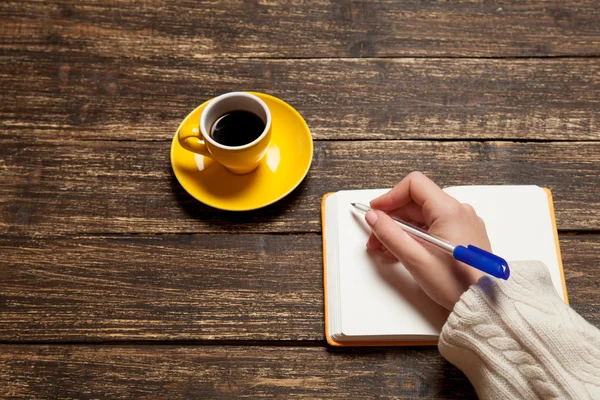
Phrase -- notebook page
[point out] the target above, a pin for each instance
(518, 222)
(369, 304)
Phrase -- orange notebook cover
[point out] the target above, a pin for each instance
(328, 334)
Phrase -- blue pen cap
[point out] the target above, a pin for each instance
(482, 260)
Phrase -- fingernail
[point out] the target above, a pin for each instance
(371, 218)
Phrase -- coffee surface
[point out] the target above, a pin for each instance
(237, 128)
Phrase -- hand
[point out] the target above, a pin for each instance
(416, 199)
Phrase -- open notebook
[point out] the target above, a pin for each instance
(362, 307)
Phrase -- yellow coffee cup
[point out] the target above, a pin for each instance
(241, 157)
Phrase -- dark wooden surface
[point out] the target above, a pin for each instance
(82, 96)
(115, 283)
(227, 372)
(304, 29)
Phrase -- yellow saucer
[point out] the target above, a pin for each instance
(280, 171)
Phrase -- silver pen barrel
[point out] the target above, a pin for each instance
(413, 230)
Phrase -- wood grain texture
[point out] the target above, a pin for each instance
(582, 273)
(77, 96)
(323, 28)
(164, 287)
(231, 372)
(206, 287)
(128, 187)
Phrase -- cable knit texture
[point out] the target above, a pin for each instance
(518, 339)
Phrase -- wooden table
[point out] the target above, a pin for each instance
(115, 283)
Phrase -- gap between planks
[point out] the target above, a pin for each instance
(561, 232)
(172, 343)
(324, 140)
(396, 57)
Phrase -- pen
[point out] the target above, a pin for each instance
(470, 255)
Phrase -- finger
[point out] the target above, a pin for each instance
(417, 188)
(373, 243)
(412, 212)
(389, 255)
(406, 249)
(421, 190)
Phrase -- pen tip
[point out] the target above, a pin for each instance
(353, 204)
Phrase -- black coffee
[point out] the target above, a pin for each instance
(237, 128)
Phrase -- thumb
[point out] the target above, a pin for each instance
(408, 250)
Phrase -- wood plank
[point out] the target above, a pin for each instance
(206, 287)
(324, 28)
(230, 372)
(78, 96)
(190, 287)
(580, 256)
(128, 187)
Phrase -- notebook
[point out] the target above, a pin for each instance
(362, 308)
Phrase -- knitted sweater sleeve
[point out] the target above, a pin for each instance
(518, 339)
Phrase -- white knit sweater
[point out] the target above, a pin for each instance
(517, 339)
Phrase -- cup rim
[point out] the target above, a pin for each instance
(215, 100)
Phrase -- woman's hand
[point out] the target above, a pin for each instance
(416, 199)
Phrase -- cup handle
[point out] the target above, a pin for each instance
(190, 138)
